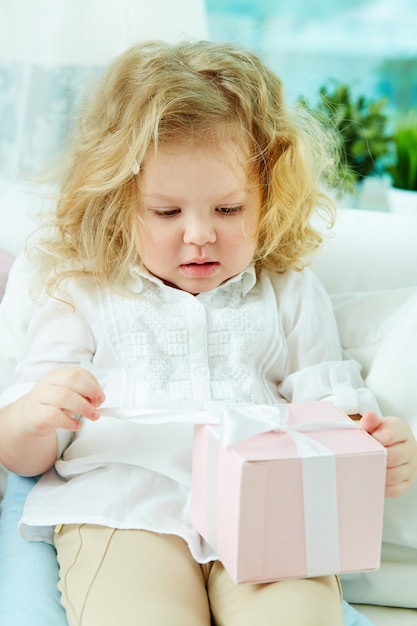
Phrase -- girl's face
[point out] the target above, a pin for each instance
(199, 214)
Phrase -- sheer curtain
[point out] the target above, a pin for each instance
(51, 49)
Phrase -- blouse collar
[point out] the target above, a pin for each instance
(140, 274)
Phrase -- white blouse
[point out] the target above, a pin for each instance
(252, 340)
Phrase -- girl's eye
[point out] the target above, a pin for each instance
(166, 212)
(229, 210)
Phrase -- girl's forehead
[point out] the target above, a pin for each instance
(200, 168)
(233, 150)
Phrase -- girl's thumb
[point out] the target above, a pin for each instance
(370, 421)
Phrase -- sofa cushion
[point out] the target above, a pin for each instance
(378, 329)
(6, 261)
(28, 570)
(368, 250)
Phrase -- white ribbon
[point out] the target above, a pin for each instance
(236, 422)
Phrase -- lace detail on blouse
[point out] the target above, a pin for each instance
(175, 345)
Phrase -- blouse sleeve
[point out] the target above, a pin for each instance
(313, 367)
(58, 335)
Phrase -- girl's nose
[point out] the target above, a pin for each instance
(199, 232)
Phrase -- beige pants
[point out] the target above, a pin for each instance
(129, 577)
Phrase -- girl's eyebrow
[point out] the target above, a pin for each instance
(233, 193)
(219, 197)
(159, 196)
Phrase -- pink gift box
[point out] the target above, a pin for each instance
(274, 507)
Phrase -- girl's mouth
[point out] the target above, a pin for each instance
(200, 270)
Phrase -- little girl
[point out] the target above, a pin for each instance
(174, 275)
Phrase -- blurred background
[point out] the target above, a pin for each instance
(353, 62)
(51, 51)
(356, 54)
(371, 44)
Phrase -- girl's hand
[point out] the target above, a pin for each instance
(57, 398)
(397, 437)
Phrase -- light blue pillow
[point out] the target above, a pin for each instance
(353, 618)
(28, 570)
(29, 594)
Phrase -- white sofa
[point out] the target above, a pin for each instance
(369, 266)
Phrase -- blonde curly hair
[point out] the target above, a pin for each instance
(157, 92)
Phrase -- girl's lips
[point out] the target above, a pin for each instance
(200, 270)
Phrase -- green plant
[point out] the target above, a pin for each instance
(361, 124)
(404, 169)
